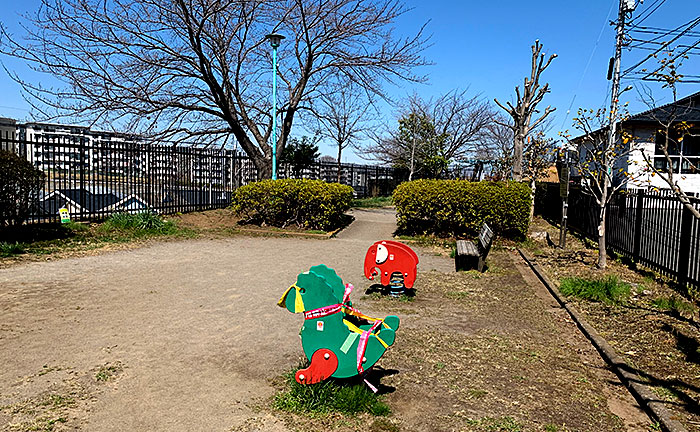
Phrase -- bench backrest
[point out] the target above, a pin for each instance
(485, 238)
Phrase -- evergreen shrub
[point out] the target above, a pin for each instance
(311, 204)
(20, 183)
(458, 208)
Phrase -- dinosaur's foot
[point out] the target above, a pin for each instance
(388, 335)
(323, 364)
(392, 321)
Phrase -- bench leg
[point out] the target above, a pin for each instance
(482, 264)
(466, 262)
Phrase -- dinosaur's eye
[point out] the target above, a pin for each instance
(382, 254)
(302, 290)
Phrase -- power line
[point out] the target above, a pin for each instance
(644, 74)
(693, 23)
(692, 50)
(663, 31)
(660, 32)
(588, 63)
(641, 18)
(690, 81)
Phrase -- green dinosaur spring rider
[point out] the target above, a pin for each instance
(339, 340)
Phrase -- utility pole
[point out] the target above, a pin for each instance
(625, 6)
(607, 161)
(413, 147)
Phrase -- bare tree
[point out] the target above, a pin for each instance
(497, 147)
(538, 155)
(460, 118)
(414, 146)
(343, 116)
(526, 107)
(600, 163)
(446, 129)
(199, 69)
(674, 136)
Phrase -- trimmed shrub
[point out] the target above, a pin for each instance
(312, 204)
(457, 208)
(20, 183)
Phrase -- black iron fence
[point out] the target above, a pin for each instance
(95, 176)
(651, 228)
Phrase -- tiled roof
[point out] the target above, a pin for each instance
(686, 109)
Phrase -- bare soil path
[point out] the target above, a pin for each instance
(185, 336)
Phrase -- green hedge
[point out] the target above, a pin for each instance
(312, 204)
(458, 208)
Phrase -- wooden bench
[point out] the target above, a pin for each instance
(470, 255)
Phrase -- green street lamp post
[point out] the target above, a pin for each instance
(275, 40)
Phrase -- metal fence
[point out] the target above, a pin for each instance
(93, 178)
(651, 228)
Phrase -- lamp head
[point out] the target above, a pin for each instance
(275, 39)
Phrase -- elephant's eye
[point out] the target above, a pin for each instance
(382, 254)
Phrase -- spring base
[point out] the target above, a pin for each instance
(396, 286)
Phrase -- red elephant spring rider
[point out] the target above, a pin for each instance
(395, 264)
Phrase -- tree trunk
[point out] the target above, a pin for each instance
(263, 166)
(518, 143)
(340, 150)
(533, 189)
(602, 252)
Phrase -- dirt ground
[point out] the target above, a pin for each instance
(663, 347)
(186, 336)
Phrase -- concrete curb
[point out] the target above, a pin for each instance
(629, 378)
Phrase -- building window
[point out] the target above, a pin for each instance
(683, 150)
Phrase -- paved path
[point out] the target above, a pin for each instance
(193, 323)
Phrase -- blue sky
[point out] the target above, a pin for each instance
(485, 46)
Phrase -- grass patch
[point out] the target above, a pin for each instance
(12, 249)
(530, 245)
(46, 239)
(106, 372)
(477, 393)
(429, 240)
(372, 202)
(45, 424)
(673, 304)
(58, 401)
(75, 227)
(330, 396)
(383, 425)
(139, 223)
(500, 424)
(458, 295)
(608, 290)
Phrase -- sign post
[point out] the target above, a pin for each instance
(564, 193)
(65, 216)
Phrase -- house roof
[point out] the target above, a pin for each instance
(92, 201)
(686, 109)
(89, 201)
